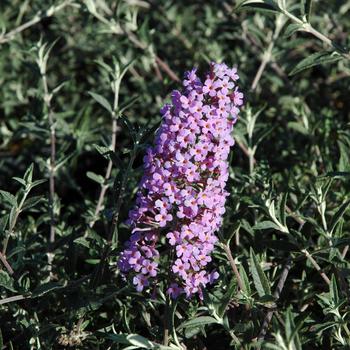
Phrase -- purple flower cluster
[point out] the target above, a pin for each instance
(182, 193)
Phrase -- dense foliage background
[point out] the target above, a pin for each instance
(90, 77)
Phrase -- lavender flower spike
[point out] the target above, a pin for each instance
(182, 193)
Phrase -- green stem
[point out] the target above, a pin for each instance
(14, 221)
(233, 265)
(166, 323)
(307, 27)
(36, 19)
(113, 236)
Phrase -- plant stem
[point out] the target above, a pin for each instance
(166, 323)
(118, 29)
(11, 299)
(316, 265)
(345, 250)
(307, 27)
(104, 187)
(52, 168)
(113, 232)
(267, 56)
(265, 60)
(42, 62)
(233, 265)
(276, 294)
(36, 19)
(116, 84)
(113, 235)
(14, 221)
(251, 161)
(6, 264)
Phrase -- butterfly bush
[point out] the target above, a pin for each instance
(181, 197)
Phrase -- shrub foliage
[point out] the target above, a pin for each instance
(82, 83)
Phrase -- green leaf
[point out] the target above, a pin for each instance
(146, 132)
(265, 225)
(126, 105)
(262, 135)
(306, 8)
(333, 290)
(292, 331)
(267, 299)
(28, 175)
(289, 324)
(21, 181)
(1, 341)
(102, 101)
(291, 29)
(3, 223)
(37, 182)
(8, 198)
(32, 201)
(92, 261)
(298, 127)
(95, 177)
(338, 215)
(315, 60)
(110, 155)
(131, 128)
(260, 280)
(82, 241)
(282, 208)
(12, 216)
(135, 340)
(260, 5)
(199, 321)
(138, 340)
(6, 281)
(344, 158)
(46, 288)
(244, 277)
(225, 300)
(104, 151)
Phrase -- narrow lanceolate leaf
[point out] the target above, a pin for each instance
(37, 182)
(298, 127)
(135, 340)
(282, 208)
(6, 281)
(32, 201)
(46, 288)
(199, 321)
(245, 280)
(315, 60)
(3, 223)
(344, 159)
(305, 9)
(292, 331)
(7, 197)
(95, 177)
(291, 29)
(260, 5)
(333, 291)
(265, 225)
(82, 241)
(21, 181)
(227, 297)
(102, 101)
(338, 215)
(260, 280)
(28, 175)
